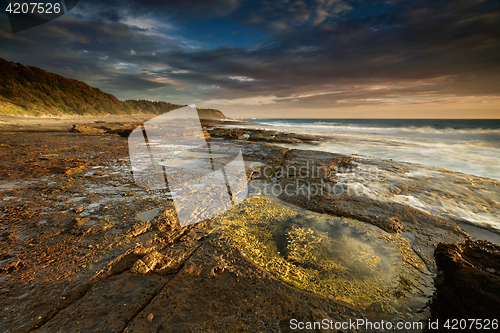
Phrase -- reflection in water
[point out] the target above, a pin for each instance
(335, 257)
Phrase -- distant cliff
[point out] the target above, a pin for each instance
(33, 91)
(143, 106)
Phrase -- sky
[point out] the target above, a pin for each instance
(283, 58)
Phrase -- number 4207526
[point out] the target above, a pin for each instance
(485, 324)
(33, 7)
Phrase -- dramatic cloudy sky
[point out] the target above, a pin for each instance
(282, 58)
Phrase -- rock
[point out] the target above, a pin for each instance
(208, 284)
(250, 300)
(74, 171)
(139, 268)
(320, 315)
(84, 129)
(468, 283)
(286, 138)
(310, 178)
(122, 130)
(9, 264)
(108, 306)
(268, 158)
(140, 228)
(152, 259)
(48, 157)
(79, 210)
(174, 257)
(125, 132)
(147, 263)
(87, 226)
(81, 220)
(237, 134)
(262, 136)
(309, 138)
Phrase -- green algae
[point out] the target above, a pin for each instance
(335, 257)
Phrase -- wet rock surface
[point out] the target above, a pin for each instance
(340, 258)
(335, 184)
(87, 129)
(468, 283)
(80, 251)
(75, 256)
(219, 289)
(257, 135)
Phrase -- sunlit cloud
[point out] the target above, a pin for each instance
(323, 58)
(241, 78)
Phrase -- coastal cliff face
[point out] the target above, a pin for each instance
(29, 90)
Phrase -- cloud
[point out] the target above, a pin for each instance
(241, 78)
(130, 82)
(325, 53)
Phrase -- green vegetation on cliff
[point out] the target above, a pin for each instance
(29, 90)
(153, 107)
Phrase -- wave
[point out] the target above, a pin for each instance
(396, 123)
(358, 128)
(473, 151)
(463, 134)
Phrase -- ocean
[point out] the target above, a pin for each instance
(471, 146)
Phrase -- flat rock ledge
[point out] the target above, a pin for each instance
(202, 283)
(78, 271)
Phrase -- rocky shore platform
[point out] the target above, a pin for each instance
(83, 249)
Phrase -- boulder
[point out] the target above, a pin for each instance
(84, 129)
(468, 282)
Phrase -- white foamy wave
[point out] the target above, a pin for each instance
(329, 128)
(438, 193)
(474, 151)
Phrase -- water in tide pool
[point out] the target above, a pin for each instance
(470, 146)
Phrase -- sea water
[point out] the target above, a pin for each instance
(471, 146)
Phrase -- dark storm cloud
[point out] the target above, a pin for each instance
(359, 50)
(459, 39)
(130, 82)
(96, 52)
(177, 10)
